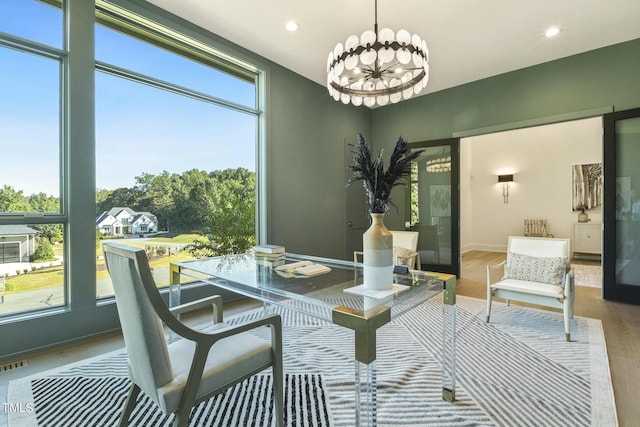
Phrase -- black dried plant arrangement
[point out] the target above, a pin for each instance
(377, 181)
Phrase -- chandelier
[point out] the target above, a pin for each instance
(378, 67)
(442, 164)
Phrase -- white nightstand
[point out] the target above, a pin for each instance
(587, 238)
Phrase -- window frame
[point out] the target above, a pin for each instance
(84, 315)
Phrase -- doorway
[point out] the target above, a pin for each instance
(622, 211)
(542, 160)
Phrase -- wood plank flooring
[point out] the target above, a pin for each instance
(621, 324)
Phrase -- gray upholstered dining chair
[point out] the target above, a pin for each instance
(201, 364)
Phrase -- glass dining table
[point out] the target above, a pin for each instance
(336, 296)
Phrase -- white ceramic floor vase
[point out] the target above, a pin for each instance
(377, 244)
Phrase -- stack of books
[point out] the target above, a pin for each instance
(270, 255)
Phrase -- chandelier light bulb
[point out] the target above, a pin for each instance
(378, 67)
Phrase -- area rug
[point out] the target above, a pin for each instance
(587, 275)
(517, 370)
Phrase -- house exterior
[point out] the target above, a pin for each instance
(120, 221)
(17, 243)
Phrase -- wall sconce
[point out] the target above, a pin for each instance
(505, 182)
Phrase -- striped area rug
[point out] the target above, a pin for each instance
(97, 401)
(517, 370)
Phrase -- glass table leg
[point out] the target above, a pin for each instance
(365, 324)
(449, 352)
(449, 340)
(366, 394)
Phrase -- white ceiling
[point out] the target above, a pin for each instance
(468, 40)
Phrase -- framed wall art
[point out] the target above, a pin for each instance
(586, 182)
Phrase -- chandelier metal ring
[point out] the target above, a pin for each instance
(378, 67)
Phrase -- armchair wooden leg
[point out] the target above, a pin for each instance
(278, 395)
(129, 405)
(567, 314)
(181, 419)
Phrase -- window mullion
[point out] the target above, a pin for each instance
(24, 45)
(170, 87)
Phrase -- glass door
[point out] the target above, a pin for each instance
(433, 204)
(621, 254)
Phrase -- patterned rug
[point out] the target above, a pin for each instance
(587, 275)
(515, 371)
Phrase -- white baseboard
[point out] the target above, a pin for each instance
(484, 247)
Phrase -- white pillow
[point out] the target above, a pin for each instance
(535, 269)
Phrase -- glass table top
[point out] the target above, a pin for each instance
(314, 295)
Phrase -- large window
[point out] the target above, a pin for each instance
(175, 149)
(31, 213)
(32, 20)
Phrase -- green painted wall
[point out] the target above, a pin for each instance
(607, 77)
(307, 169)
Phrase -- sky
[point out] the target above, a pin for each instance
(139, 129)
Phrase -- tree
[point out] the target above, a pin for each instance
(186, 202)
(43, 203)
(98, 238)
(13, 201)
(51, 232)
(43, 251)
(230, 216)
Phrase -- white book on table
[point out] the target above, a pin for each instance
(305, 268)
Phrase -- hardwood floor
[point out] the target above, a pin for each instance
(621, 324)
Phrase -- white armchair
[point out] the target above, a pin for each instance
(179, 375)
(405, 249)
(537, 271)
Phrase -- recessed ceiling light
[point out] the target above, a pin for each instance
(292, 26)
(552, 31)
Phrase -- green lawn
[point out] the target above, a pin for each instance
(43, 278)
(182, 239)
(53, 276)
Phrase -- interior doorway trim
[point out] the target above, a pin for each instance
(577, 115)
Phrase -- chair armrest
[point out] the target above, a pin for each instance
(215, 301)
(569, 282)
(355, 256)
(208, 339)
(413, 255)
(273, 320)
(205, 341)
(494, 266)
(490, 268)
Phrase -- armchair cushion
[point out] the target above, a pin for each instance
(244, 352)
(548, 270)
(527, 287)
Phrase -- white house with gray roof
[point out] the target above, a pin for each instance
(17, 243)
(120, 221)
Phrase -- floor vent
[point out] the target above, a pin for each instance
(13, 365)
